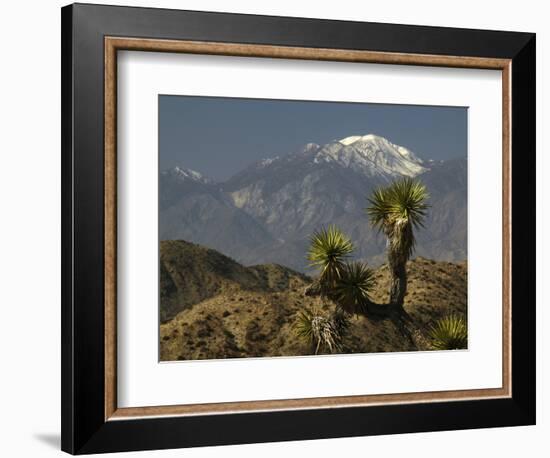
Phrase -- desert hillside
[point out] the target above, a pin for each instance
(213, 307)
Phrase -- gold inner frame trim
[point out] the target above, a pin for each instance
(114, 44)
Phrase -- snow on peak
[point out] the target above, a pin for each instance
(310, 146)
(307, 149)
(188, 174)
(362, 138)
(369, 138)
(371, 155)
(268, 161)
(349, 140)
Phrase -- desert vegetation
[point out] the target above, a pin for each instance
(254, 311)
(213, 307)
(397, 211)
(449, 333)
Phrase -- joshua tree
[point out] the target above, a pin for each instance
(328, 251)
(351, 291)
(347, 284)
(397, 210)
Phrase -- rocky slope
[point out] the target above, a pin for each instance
(193, 208)
(221, 309)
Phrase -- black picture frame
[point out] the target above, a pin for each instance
(84, 428)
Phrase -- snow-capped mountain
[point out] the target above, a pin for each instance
(186, 174)
(267, 212)
(371, 155)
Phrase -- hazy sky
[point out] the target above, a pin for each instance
(219, 136)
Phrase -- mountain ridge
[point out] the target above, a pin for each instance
(267, 211)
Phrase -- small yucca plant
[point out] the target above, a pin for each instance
(449, 333)
(319, 331)
(328, 251)
(340, 321)
(351, 291)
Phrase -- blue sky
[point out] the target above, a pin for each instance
(219, 136)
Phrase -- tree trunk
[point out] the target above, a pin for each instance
(398, 285)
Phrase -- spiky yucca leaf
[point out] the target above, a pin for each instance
(318, 330)
(395, 210)
(328, 250)
(303, 325)
(409, 200)
(380, 207)
(404, 199)
(449, 333)
(351, 291)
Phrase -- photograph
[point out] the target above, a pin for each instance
(304, 228)
(275, 229)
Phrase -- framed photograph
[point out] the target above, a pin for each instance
(281, 228)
